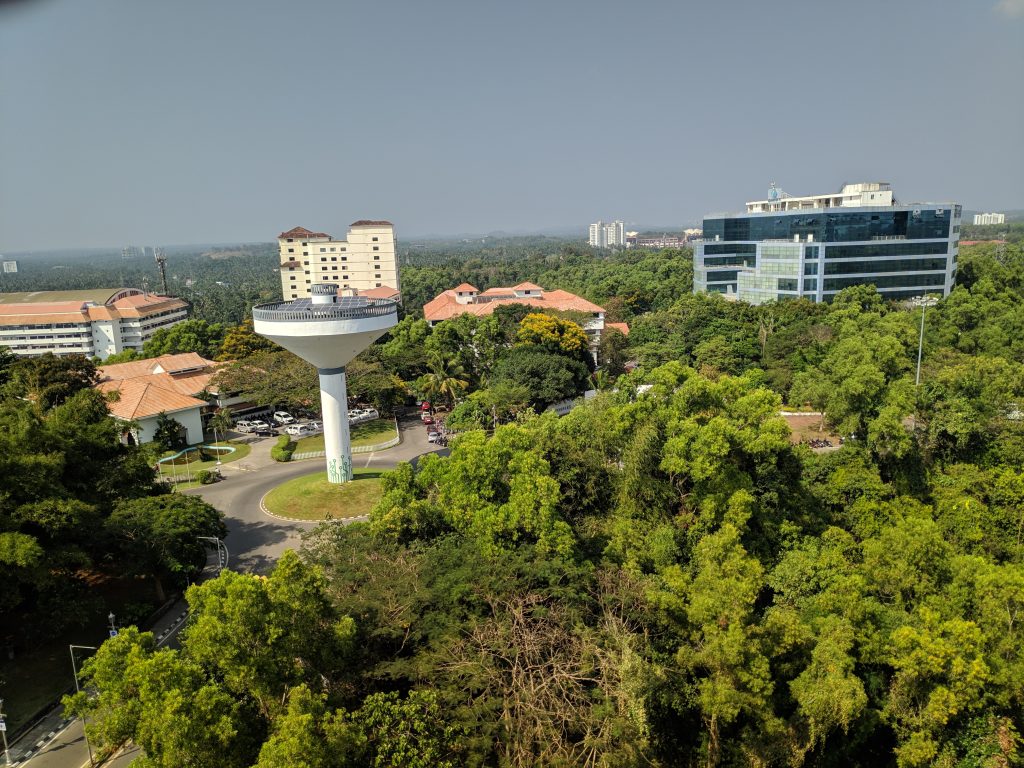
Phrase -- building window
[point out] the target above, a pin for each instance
(375, 239)
(291, 250)
(295, 296)
(344, 258)
(305, 263)
(307, 282)
(323, 250)
(378, 284)
(334, 258)
(334, 268)
(376, 258)
(293, 277)
(376, 248)
(341, 249)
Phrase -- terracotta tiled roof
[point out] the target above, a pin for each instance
(297, 233)
(384, 292)
(185, 361)
(527, 287)
(465, 288)
(161, 384)
(446, 306)
(143, 397)
(622, 328)
(40, 313)
(371, 223)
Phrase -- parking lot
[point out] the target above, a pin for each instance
(283, 422)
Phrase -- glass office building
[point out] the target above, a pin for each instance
(815, 247)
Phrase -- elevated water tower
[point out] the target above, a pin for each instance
(328, 330)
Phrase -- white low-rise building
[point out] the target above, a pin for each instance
(179, 386)
(94, 323)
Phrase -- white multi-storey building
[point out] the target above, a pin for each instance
(608, 234)
(96, 323)
(10, 267)
(989, 218)
(365, 261)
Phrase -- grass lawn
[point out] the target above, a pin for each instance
(181, 467)
(313, 498)
(367, 433)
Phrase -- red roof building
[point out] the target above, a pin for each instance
(467, 299)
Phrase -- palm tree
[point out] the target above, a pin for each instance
(445, 379)
(220, 422)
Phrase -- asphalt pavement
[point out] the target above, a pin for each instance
(255, 541)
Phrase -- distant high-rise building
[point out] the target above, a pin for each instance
(366, 261)
(608, 235)
(989, 218)
(10, 267)
(786, 247)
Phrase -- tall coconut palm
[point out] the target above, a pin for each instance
(446, 380)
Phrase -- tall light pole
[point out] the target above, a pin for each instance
(74, 668)
(926, 301)
(113, 628)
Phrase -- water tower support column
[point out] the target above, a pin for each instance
(337, 442)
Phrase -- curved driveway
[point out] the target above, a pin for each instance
(256, 540)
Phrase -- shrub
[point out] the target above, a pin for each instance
(284, 449)
(205, 476)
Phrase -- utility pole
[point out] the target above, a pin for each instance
(161, 261)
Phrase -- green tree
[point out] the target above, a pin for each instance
(169, 433)
(241, 341)
(272, 378)
(187, 336)
(548, 377)
(445, 380)
(159, 536)
(49, 380)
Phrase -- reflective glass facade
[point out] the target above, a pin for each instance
(903, 251)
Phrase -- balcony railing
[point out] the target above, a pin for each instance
(287, 311)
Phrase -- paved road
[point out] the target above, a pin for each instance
(255, 541)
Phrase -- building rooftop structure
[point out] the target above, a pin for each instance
(467, 299)
(157, 385)
(98, 322)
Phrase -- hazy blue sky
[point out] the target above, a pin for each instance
(131, 121)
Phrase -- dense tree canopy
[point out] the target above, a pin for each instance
(663, 577)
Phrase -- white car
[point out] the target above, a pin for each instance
(282, 417)
(243, 426)
(259, 426)
(300, 430)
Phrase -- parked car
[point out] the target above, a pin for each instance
(243, 426)
(260, 428)
(425, 405)
(282, 417)
(316, 426)
(300, 430)
(427, 418)
(433, 437)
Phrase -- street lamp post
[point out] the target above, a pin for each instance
(74, 668)
(113, 628)
(926, 301)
